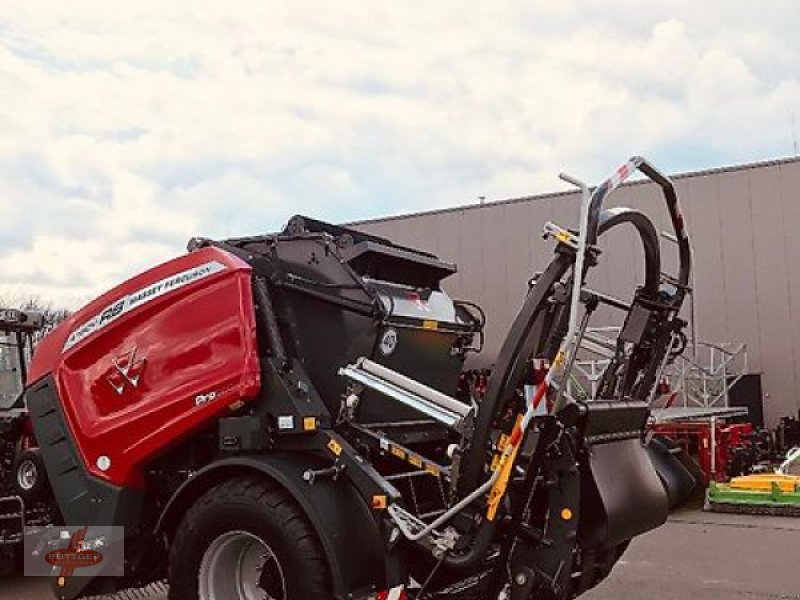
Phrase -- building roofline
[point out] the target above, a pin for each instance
(548, 195)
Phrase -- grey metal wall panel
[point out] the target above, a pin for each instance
(702, 196)
(514, 232)
(790, 200)
(745, 227)
(772, 292)
(739, 265)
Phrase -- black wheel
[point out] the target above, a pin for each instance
(29, 477)
(247, 539)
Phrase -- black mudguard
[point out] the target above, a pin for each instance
(679, 474)
(349, 534)
(621, 494)
(82, 499)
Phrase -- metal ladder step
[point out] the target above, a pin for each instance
(388, 447)
(412, 523)
(406, 475)
(672, 280)
(432, 514)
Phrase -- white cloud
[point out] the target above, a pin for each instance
(126, 128)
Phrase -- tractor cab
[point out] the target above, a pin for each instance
(22, 480)
(17, 331)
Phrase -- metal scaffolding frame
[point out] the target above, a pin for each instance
(701, 377)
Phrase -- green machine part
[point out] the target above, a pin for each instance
(774, 494)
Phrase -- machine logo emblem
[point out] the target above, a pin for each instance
(126, 370)
(388, 342)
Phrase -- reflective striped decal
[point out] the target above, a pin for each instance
(139, 298)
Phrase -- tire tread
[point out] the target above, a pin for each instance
(261, 494)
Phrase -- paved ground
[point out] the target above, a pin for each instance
(697, 556)
(702, 556)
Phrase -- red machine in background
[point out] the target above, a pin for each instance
(722, 450)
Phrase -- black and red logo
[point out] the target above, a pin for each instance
(126, 370)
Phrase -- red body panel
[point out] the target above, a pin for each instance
(153, 360)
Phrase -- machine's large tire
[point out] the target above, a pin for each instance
(232, 515)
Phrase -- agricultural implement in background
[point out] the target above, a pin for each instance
(776, 494)
(275, 417)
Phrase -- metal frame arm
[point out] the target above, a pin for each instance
(604, 190)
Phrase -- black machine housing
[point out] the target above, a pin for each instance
(342, 295)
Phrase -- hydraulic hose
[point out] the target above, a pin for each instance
(647, 233)
(270, 321)
(508, 372)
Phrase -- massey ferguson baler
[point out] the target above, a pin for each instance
(274, 417)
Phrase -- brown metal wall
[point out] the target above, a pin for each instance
(745, 229)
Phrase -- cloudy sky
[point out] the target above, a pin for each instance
(128, 127)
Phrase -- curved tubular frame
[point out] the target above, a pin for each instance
(604, 190)
(647, 233)
(520, 342)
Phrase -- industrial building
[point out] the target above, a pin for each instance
(743, 221)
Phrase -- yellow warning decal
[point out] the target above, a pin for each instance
(398, 452)
(430, 324)
(499, 487)
(495, 462)
(415, 460)
(310, 423)
(334, 447)
(503, 442)
(564, 236)
(433, 470)
(503, 463)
